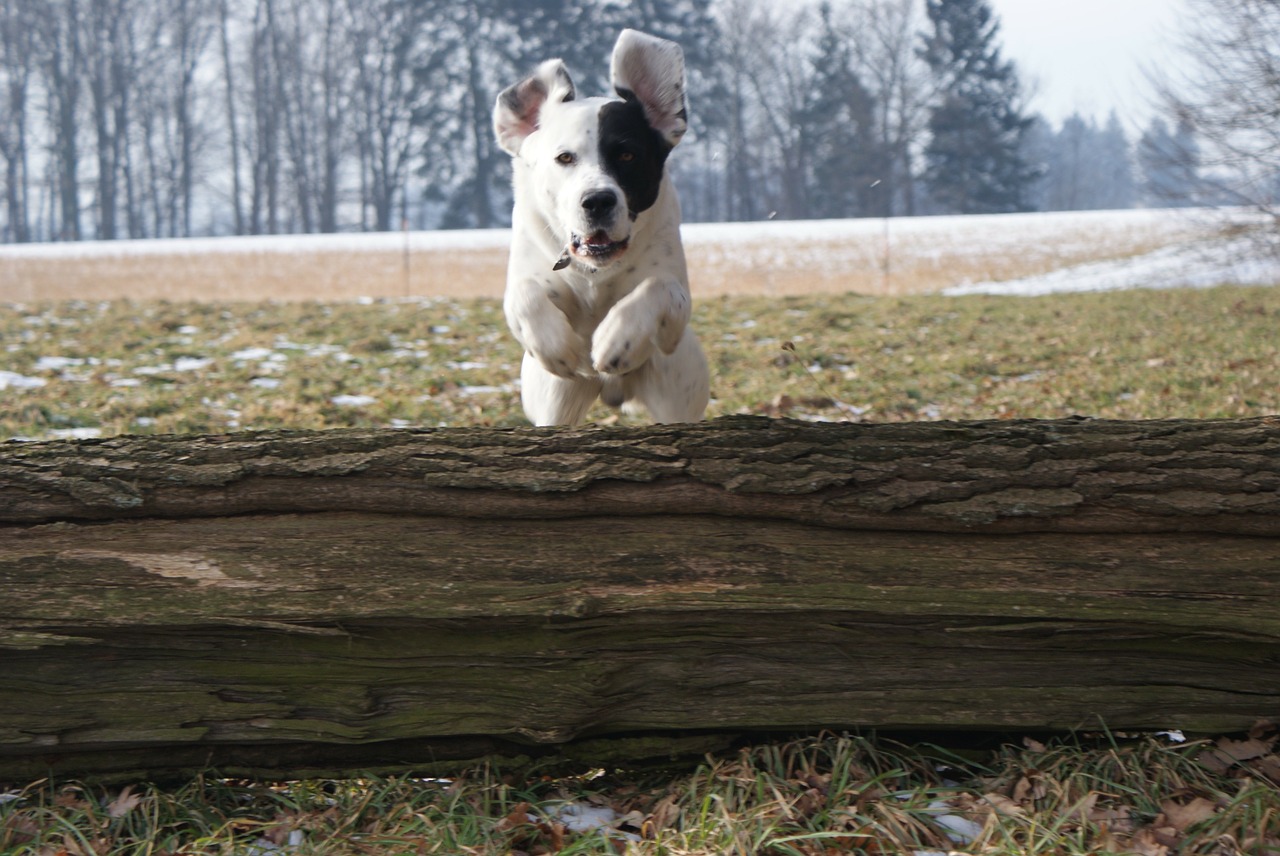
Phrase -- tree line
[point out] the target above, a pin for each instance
(163, 118)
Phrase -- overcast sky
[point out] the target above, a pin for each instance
(1088, 56)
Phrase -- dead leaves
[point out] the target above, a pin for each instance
(1256, 755)
(125, 802)
(526, 834)
(1054, 790)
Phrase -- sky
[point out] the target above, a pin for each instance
(1089, 56)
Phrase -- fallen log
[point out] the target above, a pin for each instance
(293, 602)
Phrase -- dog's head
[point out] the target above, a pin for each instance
(596, 164)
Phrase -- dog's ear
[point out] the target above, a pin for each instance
(651, 71)
(515, 115)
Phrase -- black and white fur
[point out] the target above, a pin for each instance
(597, 290)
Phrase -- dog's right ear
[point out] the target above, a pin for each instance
(515, 115)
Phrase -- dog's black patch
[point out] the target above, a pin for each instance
(632, 152)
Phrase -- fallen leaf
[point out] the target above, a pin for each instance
(125, 802)
(1264, 729)
(1003, 805)
(662, 816)
(19, 829)
(1270, 768)
(1182, 815)
(517, 817)
(810, 802)
(1227, 753)
(1030, 788)
(1082, 809)
(1118, 818)
(555, 835)
(1144, 843)
(1243, 750)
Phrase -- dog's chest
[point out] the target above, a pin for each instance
(586, 302)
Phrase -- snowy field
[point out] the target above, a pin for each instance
(1014, 254)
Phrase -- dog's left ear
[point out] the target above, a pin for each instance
(651, 71)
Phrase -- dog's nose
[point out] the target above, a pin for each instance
(599, 204)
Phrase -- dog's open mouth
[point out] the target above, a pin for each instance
(597, 247)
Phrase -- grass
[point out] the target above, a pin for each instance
(816, 796)
(117, 367)
(98, 369)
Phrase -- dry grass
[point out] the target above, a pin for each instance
(317, 274)
(914, 256)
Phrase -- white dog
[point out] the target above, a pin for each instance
(597, 291)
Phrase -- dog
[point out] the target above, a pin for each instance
(597, 288)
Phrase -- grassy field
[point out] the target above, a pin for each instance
(81, 369)
(98, 369)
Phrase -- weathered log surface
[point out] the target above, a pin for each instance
(293, 601)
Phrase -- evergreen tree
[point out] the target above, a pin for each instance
(838, 119)
(973, 162)
(1170, 165)
(1070, 168)
(1083, 167)
(1037, 152)
(1115, 183)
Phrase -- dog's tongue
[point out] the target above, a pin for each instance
(599, 239)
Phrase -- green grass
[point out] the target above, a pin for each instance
(816, 796)
(131, 368)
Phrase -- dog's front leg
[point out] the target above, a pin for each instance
(653, 315)
(541, 321)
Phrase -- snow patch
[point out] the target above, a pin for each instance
(74, 433)
(1195, 265)
(353, 242)
(352, 400)
(57, 364)
(13, 380)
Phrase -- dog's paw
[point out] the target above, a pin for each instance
(564, 362)
(548, 337)
(622, 343)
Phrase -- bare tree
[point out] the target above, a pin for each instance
(17, 58)
(229, 77)
(384, 37)
(108, 69)
(745, 35)
(62, 59)
(191, 29)
(1231, 100)
(884, 35)
(264, 208)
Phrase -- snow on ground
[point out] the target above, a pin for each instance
(1199, 264)
(370, 242)
(1185, 254)
(981, 232)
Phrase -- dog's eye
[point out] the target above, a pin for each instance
(626, 157)
(566, 158)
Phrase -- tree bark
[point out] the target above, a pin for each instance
(294, 602)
